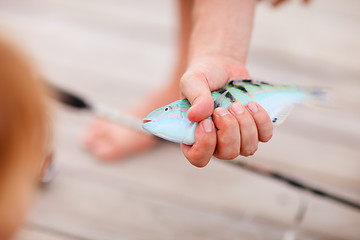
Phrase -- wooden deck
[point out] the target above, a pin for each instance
(100, 48)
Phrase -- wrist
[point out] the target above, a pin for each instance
(225, 53)
(222, 28)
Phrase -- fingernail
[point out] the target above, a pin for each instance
(221, 111)
(238, 108)
(207, 125)
(252, 106)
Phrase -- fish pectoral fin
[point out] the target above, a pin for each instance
(279, 117)
(220, 99)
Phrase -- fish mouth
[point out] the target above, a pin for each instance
(146, 121)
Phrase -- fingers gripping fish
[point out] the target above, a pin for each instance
(171, 122)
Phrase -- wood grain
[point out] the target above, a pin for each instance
(116, 52)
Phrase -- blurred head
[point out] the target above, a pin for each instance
(171, 123)
(23, 133)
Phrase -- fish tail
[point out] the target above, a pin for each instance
(318, 97)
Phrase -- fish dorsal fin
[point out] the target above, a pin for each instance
(220, 99)
(279, 116)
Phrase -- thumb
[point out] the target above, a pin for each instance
(194, 86)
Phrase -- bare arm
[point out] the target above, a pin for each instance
(222, 27)
(218, 50)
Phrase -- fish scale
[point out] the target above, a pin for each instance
(263, 93)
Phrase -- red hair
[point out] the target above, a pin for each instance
(23, 134)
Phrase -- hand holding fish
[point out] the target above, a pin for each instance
(239, 129)
(251, 124)
(218, 49)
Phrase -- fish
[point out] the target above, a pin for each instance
(171, 123)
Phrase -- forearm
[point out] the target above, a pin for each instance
(222, 27)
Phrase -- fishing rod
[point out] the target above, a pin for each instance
(100, 110)
(122, 118)
(267, 172)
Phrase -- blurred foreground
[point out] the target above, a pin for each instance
(115, 52)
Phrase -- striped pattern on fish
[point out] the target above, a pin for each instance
(171, 123)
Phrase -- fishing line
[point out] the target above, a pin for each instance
(79, 103)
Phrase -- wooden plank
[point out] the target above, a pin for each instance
(112, 209)
(100, 48)
(222, 187)
(322, 31)
(40, 233)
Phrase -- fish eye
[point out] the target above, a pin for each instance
(166, 109)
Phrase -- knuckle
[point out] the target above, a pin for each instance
(266, 133)
(267, 137)
(245, 153)
(230, 155)
(232, 119)
(253, 134)
(184, 81)
(228, 140)
(271, 128)
(221, 141)
(227, 148)
(195, 157)
(198, 158)
(189, 76)
(247, 122)
(262, 119)
(254, 150)
(228, 122)
(249, 151)
(200, 163)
